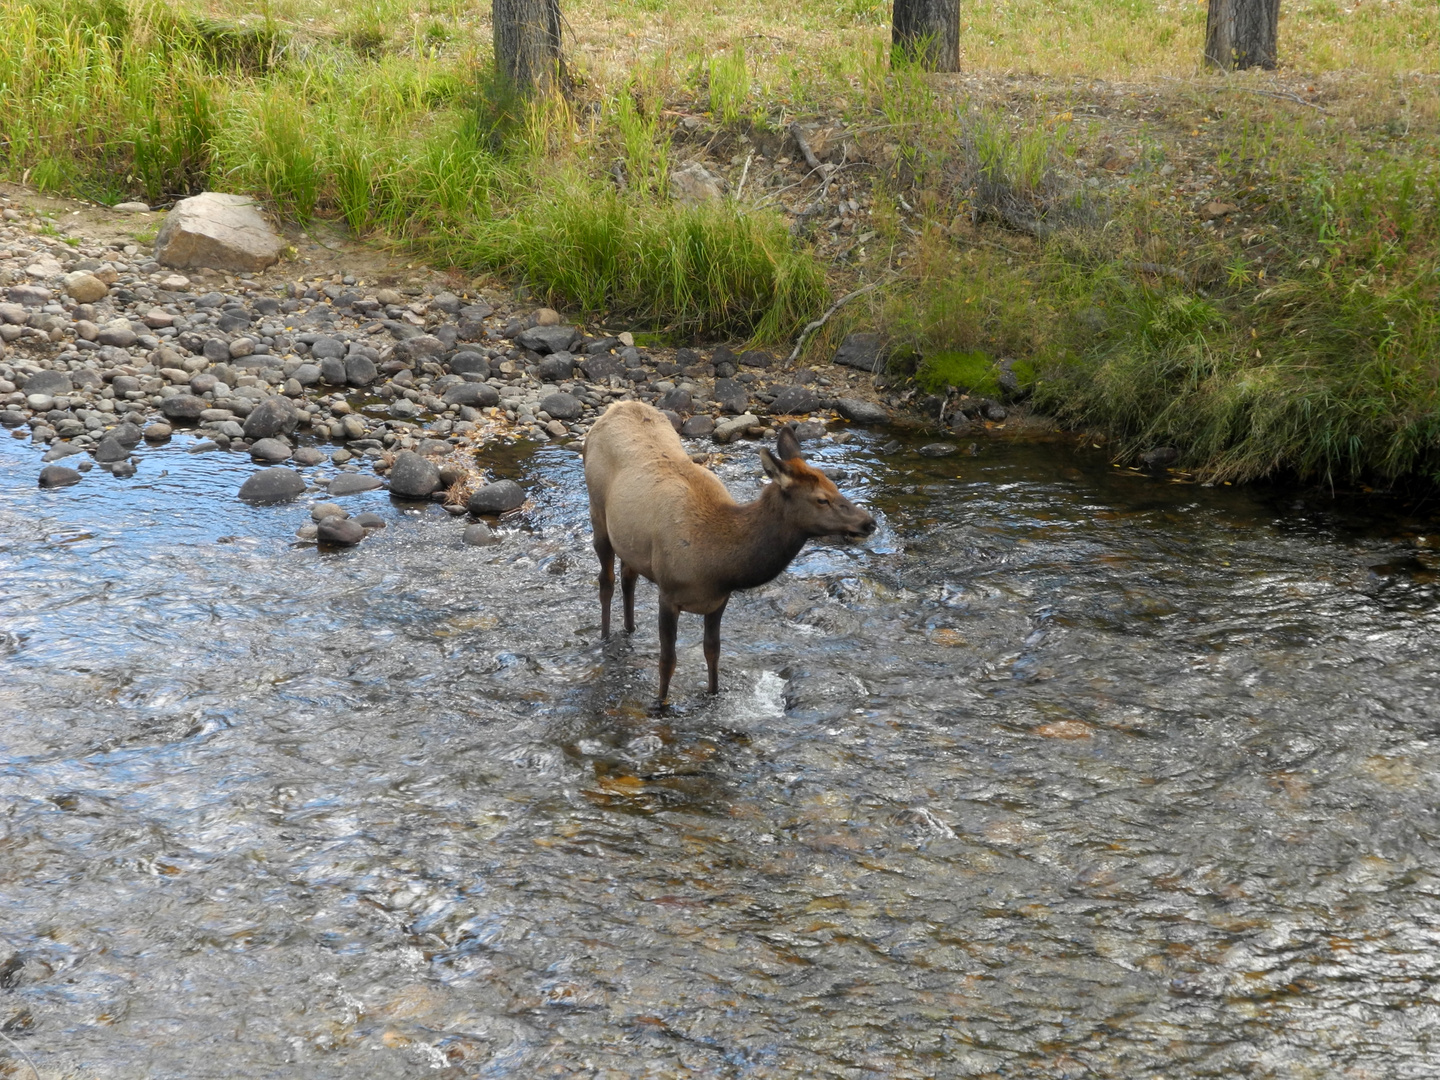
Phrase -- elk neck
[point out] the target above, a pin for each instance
(761, 542)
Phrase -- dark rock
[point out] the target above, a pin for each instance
(308, 455)
(697, 426)
(401, 331)
(557, 367)
(12, 418)
(202, 447)
(30, 295)
(370, 520)
(340, 531)
(938, 449)
(863, 351)
(478, 534)
(470, 363)
(756, 358)
(352, 484)
(676, 401)
(412, 476)
(360, 370)
(685, 358)
(269, 450)
(307, 374)
(1160, 457)
(496, 498)
(794, 399)
(62, 450)
(216, 350)
(809, 431)
(994, 411)
(547, 339)
(183, 407)
(126, 434)
(562, 406)
(1010, 386)
(121, 337)
(731, 396)
(121, 469)
(332, 371)
(48, 382)
(203, 383)
(861, 412)
(477, 310)
(58, 476)
(273, 416)
(600, 345)
(599, 367)
(474, 394)
(111, 449)
(270, 486)
(418, 349)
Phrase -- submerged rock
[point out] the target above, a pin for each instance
(270, 486)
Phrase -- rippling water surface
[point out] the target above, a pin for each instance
(1069, 772)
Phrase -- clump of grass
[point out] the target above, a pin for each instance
(729, 82)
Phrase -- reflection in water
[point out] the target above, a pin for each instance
(1069, 772)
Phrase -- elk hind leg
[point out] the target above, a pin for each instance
(627, 590)
(669, 625)
(606, 552)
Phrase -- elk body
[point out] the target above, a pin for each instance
(674, 523)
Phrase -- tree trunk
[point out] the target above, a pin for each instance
(527, 43)
(1241, 33)
(928, 32)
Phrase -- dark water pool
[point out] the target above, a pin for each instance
(1070, 772)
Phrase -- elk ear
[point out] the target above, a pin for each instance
(775, 469)
(787, 446)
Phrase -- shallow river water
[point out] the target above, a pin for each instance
(1068, 772)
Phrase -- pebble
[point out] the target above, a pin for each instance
(479, 534)
(340, 531)
(353, 483)
(269, 450)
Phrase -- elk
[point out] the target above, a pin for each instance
(673, 522)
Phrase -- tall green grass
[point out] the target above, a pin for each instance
(133, 97)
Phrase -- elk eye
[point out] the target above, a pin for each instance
(822, 500)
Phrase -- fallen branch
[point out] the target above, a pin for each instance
(1275, 94)
(811, 327)
(799, 137)
(740, 188)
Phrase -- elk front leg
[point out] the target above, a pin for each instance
(627, 590)
(712, 645)
(606, 552)
(669, 625)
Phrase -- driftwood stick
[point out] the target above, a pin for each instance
(799, 137)
(811, 327)
(740, 187)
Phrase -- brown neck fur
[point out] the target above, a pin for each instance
(759, 542)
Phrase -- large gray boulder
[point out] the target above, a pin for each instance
(547, 339)
(273, 416)
(861, 412)
(863, 351)
(413, 477)
(496, 498)
(270, 486)
(222, 232)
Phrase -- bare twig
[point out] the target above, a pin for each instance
(811, 327)
(740, 188)
(21, 1051)
(1160, 270)
(1275, 94)
(799, 137)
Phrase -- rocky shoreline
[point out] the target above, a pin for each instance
(103, 350)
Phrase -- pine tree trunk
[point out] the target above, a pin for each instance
(1241, 33)
(527, 43)
(927, 31)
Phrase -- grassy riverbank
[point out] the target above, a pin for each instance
(1244, 268)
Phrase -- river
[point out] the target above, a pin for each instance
(1068, 772)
